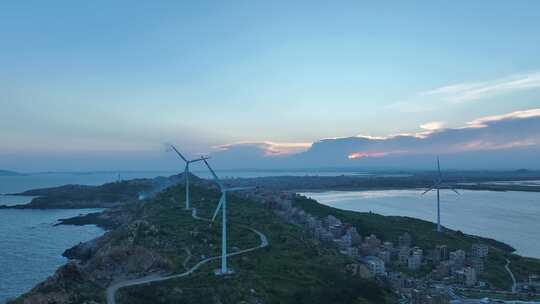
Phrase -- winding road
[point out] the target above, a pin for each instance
(514, 284)
(158, 277)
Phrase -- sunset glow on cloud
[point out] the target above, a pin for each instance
(357, 155)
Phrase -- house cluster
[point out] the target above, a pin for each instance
(409, 270)
(531, 285)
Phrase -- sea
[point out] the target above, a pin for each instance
(511, 217)
(31, 245)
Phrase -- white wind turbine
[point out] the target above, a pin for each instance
(186, 171)
(437, 185)
(223, 206)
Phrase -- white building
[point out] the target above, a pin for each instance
(414, 262)
(480, 250)
(457, 257)
(385, 255)
(375, 265)
(333, 221)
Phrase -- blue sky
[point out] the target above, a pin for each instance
(96, 80)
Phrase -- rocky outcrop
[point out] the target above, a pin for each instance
(122, 253)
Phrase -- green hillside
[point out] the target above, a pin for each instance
(293, 269)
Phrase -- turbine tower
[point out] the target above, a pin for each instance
(186, 171)
(437, 185)
(223, 206)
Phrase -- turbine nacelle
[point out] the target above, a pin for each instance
(186, 170)
(223, 198)
(438, 185)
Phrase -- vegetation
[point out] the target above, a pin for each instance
(79, 196)
(293, 269)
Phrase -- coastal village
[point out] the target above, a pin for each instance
(417, 275)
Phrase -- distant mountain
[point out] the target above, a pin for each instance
(8, 173)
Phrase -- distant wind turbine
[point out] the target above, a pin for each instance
(186, 171)
(437, 185)
(223, 206)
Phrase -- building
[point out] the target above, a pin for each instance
(347, 239)
(373, 241)
(333, 221)
(440, 253)
(342, 246)
(534, 280)
(403, 255)
(336, 230)
(478, 264)
(418, 297)
(385, 255)
(438, 297)
(359, 270)
(405, 240)
(388, 246)
(356, 238)
(470, 276)
(480, 250)
(466, 276)
(457, 258)
(375, 265)
(414, 262)
(441, 271)
(352, 251)
(397, 280)
(415, 259)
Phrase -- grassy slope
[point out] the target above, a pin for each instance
(293, 269)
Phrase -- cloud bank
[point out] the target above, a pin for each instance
(464, 92)
(504, 141)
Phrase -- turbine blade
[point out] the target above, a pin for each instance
(213, 174)
(439, 168)
(179, 154)
(431, 188)
(218, 206)
(455, 191)
(238, 188)
(199, 159)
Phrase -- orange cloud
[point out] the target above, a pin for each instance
(357, 155)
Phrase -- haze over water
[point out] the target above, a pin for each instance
(510, 217)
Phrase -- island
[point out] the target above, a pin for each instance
(285, 248)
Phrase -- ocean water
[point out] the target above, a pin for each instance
(511, 217)
(31, 246)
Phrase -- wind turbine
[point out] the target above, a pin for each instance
(437, 185)
(223, 206)
(186, 171)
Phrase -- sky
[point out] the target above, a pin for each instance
(101, 85)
